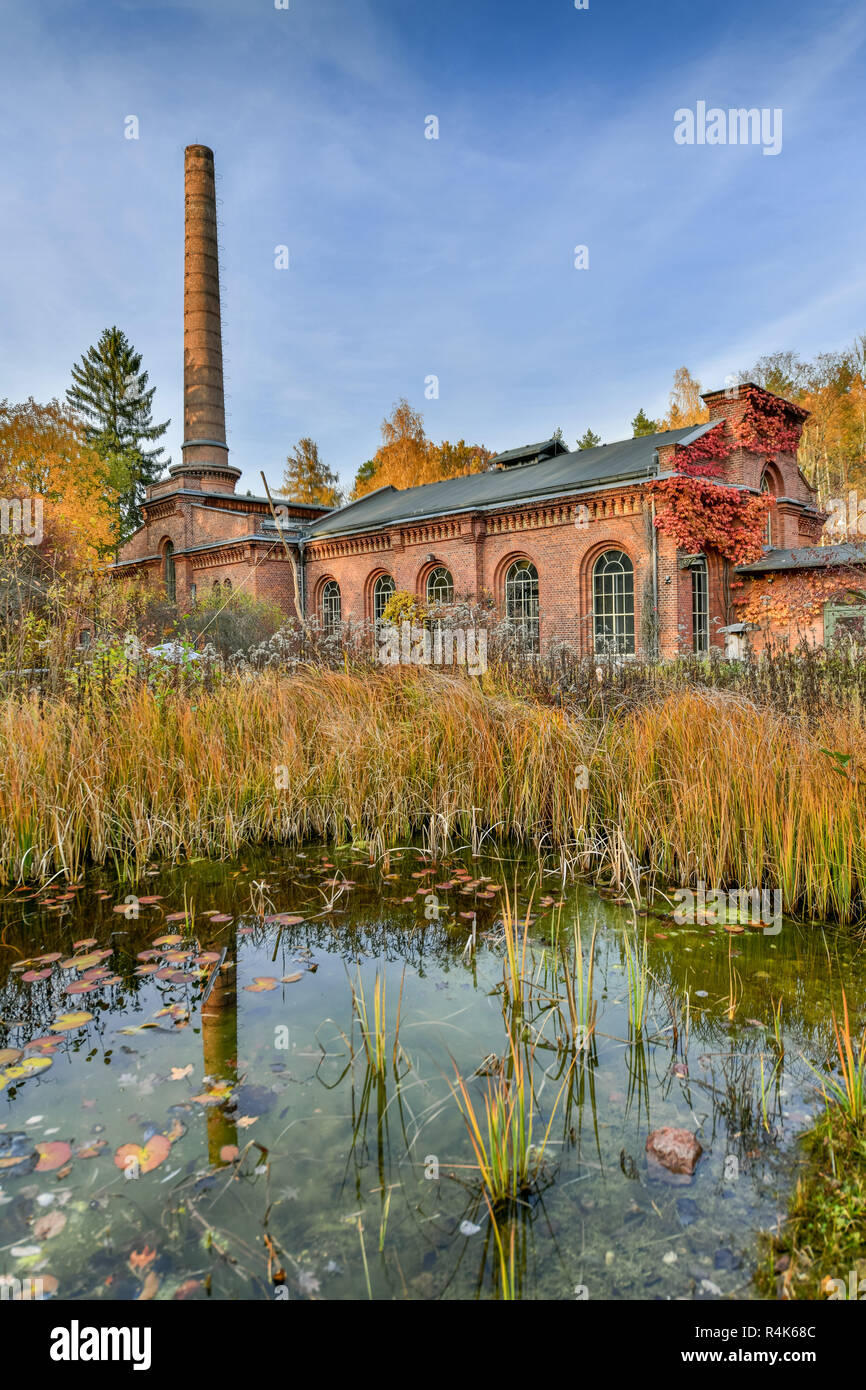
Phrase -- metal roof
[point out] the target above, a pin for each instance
(627, 460)
(807, 557)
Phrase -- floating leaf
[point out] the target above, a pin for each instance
(52, 1154)
(87, 941)
(291, 979)
(262, 983)
(148, 1156)
(31, 976)
(178, 1073)
(208, 958)
(83, 962)
(67, 1021)
(140, 1259)
(9, 1054)
(28, 1067)
(216, 1095)
(244, 1121)
(92, 1150)
(168, 940)
(229, 1152)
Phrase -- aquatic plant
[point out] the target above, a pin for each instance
(696, 786)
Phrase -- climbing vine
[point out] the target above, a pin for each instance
(701, 514)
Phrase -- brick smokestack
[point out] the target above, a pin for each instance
(204, 422)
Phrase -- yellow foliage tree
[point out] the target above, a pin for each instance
(44, 455)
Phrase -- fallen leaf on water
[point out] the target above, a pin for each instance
(9, 1054)
(88, 941)
(52, 1155)
(178, 1073)
(148, 1156)
(229, 1152)
(140, 1259)
(31, 976)
(92, 1150)
(218, 1093)
(188, 1289)
(261, 983)
(290, 979)
(245, 1121)
(51, 1224)
(168, 940)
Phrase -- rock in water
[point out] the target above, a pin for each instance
(675, 1151)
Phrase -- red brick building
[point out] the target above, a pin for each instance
(563, 543)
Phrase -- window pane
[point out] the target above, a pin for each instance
(613, 603)
(331, 605)
(440, 586)
(381, 593)
(521, 601)
(700, 608)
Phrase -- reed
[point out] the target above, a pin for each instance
(373, 1024)
(699, 785)
(849, 1091)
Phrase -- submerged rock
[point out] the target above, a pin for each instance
(674, 1151)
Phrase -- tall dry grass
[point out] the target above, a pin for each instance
(698, 786)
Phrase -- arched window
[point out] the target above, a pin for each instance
(440, 586)
(331, 606)
(521, 601)
(170, 576)
(228, 586)
(613, 603)
(217, 587)
(767, 487)
(382, 591)
(700, 608)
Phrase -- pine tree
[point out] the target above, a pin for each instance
(642, 424)
(364, 479)
(590, 440)
(307, 478)
(110, 391)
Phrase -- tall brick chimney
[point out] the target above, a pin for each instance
(205, 451)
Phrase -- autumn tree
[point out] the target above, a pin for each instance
(458, 460)
(407, 458)
(110, 392)
(44, 454)
(308, 478)
(685, 406)
(642, 424)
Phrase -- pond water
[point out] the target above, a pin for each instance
(198, 1118)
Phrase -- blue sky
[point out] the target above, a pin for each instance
(412, 257)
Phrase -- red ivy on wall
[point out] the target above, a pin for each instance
(700, 515)
(703, 515)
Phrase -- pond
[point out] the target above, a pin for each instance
(189, 1109)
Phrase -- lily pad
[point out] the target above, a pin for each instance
(148, 1156)
(65, 1022)
(52, 1154)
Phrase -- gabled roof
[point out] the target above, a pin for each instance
(629, 460)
